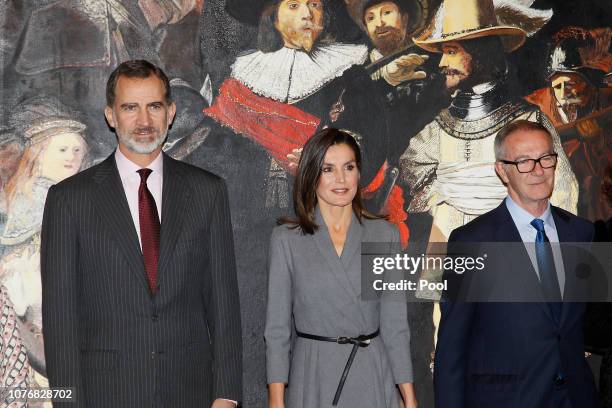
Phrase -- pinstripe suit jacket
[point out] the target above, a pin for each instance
(104, 332)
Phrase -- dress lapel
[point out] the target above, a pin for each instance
(326, 248)
(175, 192)
(112, 205)
(352, 246)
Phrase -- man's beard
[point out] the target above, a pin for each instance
(307, 39)
(461, 76)
(390, 42)
(571, 108)
(479, 75)
(142, 147)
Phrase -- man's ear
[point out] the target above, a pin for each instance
(110, 118)
(501, 172)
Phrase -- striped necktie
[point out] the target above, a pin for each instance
(149, 228)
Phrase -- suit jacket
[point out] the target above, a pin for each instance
(508, 354)
(321, 294)
(105, 333)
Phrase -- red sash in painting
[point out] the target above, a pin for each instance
(276, 126)
(394, 206)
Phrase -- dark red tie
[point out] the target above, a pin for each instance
(149, 228)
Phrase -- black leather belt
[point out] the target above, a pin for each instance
(359, 341)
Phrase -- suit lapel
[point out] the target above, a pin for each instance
(112, 205)
(568, 255)
(175, 192)
(507, 232)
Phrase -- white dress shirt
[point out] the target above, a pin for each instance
(522, 219)
(128, 172)
(130, 179)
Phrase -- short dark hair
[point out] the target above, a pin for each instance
(309, 172)
(513, 127)
(135, 69)
(270, 40)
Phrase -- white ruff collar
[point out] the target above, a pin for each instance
(289, 75)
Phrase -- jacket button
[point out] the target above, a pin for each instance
(559, 380)
(154, 317)
(152, 355)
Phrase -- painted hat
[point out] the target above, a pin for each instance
(51, 126)
(565, 58)
(468, 19)
(247, 12)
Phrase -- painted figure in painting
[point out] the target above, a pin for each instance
(55, 150)
(578, 104)
(390, 26)
(299, 78)
(412, 92)
(412, 95)
(449, 164)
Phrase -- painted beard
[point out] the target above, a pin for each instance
(387, 39)
(454, 77)
(143, 147)
(306, 36)
(570, 107)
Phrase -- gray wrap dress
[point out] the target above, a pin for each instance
(317, 292)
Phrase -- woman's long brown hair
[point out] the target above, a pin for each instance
(308, 175)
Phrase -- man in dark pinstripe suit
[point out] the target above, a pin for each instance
(141, 310)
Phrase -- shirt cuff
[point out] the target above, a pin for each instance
(229, 400)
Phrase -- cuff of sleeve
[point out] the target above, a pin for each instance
(402, 372)
(229, 400)
(277, 369)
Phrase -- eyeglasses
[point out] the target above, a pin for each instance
(527, 165)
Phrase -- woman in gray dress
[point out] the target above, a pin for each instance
(345, 351)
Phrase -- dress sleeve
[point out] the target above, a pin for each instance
(277, 332)
(394, 329)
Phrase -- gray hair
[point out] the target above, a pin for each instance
(512, 127)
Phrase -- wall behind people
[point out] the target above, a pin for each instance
(55, 57)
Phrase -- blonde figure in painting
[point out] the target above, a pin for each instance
(55, 150)
(349, 352)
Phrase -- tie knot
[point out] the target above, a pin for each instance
(144, 175)
(538, 224)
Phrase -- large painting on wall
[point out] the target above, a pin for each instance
(423, 85)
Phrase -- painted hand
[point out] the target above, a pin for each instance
(294, 158)
(404, 68)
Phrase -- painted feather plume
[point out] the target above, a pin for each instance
(518, 13)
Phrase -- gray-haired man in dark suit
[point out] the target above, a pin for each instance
(141, 310)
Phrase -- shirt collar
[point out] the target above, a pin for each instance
(127, 167)
(522, 218)
(290, 75)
